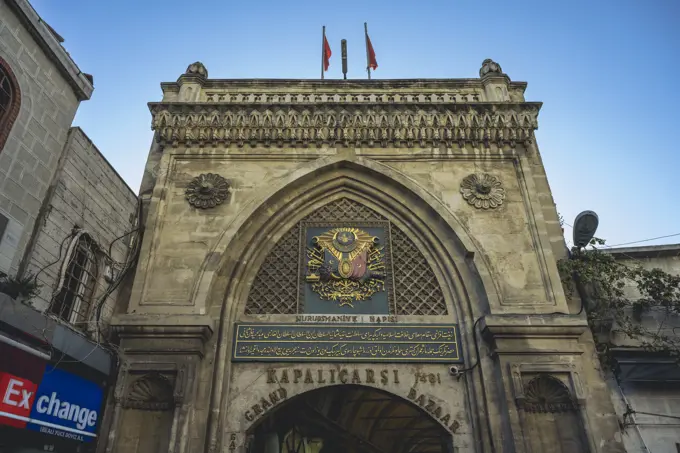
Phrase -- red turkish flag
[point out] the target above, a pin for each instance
(372, 62)
(326, 54)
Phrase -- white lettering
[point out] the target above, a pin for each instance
(82, 418)
(54, 405)
(11, 391)
(41, 404)
(64, 410)
(24, 399)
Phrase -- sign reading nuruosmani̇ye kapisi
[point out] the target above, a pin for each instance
(63, 405)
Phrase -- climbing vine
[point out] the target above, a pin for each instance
(601, 281)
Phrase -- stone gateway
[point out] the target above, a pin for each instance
(351, 266)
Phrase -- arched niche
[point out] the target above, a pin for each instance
(450, 250)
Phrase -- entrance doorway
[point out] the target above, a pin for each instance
(348, 419)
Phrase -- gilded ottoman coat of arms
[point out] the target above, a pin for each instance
(345, 265)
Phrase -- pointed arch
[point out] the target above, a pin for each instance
(10, 101)
(274, 209)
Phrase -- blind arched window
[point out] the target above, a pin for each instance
(10, 100)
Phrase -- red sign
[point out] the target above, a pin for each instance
(16, 399)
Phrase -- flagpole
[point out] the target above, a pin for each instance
(368, 61)
(323, 49)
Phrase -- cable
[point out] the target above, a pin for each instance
(644, 240)
(474, 339)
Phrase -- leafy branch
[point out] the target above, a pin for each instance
(602, 281)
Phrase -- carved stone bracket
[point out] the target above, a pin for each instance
(345, 125)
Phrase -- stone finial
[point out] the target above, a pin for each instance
(197, 68)
(490, 67)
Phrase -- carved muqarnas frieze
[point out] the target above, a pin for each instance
(347, 125)
(207, 191)
(483, 191)
(151, 392)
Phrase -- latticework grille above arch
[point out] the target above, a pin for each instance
(276, 286)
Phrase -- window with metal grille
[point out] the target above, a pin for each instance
(73, 301)
(10, 99)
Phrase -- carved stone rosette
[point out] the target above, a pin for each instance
(483, 191)
(207, 190)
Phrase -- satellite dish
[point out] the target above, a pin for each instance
(585, 226)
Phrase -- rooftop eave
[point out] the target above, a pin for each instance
(646, 251)
(47, 41)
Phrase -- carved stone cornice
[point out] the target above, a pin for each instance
(379, 124)
(170, 335)
(537, 334)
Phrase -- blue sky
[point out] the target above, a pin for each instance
(606, 71)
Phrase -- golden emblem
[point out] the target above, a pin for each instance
(346, 265)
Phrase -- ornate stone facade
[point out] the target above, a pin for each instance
(343, 182)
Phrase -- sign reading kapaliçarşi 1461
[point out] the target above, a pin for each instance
(423, 343)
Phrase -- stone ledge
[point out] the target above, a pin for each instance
(167, 334)
(534, 334)
(537, 326)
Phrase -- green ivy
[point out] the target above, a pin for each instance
(603, 279)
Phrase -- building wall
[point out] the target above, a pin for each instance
(86, 194)
(655, 423)
(496, 266)
(48, 104)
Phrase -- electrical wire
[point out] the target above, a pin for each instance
(644, 240)
(474, 339)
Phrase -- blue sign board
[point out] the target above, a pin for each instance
(66, 405)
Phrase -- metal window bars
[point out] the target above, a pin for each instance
(73, 300)
(6, 93)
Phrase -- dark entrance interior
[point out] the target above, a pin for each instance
(348, 419)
